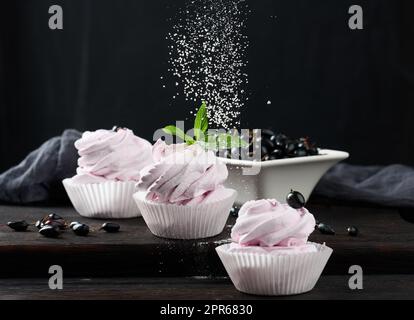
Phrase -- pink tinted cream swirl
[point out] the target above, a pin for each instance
(267, 226)
(107, 155)
(184, 175)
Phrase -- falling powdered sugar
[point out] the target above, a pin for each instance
(207, 57)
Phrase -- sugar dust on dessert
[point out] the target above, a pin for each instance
(207, 53)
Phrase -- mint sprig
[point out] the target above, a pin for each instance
(212, 141)
(174, 131)
(201, 122)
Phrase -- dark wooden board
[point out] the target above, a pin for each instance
(385, 246)
(328, 287)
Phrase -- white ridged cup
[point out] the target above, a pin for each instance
(108, 200)
(274, 275)
(185, 221)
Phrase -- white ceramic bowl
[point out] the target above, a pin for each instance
(275, 178)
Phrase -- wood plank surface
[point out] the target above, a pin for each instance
(385, 246)
(328, 287)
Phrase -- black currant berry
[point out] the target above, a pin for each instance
(234, 212)
(39, 224)
(325, 229)
(74, 223)
(352, 231)
(300, 152)
(56, 223)
(281, 138)
(49, 231)
(264, 151)
(111, 227)
(301, 144)
(295, 199)
(290, 148)
(81, 229)
(267, 133)
(18, 226)
(277, 154)
(280, 144)
(285, 146)
(54, 216)
(269, 144)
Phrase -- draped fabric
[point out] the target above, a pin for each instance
(38, 178)
(391, 186)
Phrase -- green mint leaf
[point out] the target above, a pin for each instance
(171, 130)
(201, 121)
(174, 131)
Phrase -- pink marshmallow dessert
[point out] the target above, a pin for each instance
(109, 166)
(270, 253)
(181, 195)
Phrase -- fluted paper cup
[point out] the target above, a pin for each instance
(274, 275)
(108, 200)
(185, 221)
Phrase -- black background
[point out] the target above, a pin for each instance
(351, 90)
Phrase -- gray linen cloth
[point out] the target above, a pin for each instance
(38, 177)
(386, 186)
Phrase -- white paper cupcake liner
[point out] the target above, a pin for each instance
(109, 200)
(185, 222)
(274, 275)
